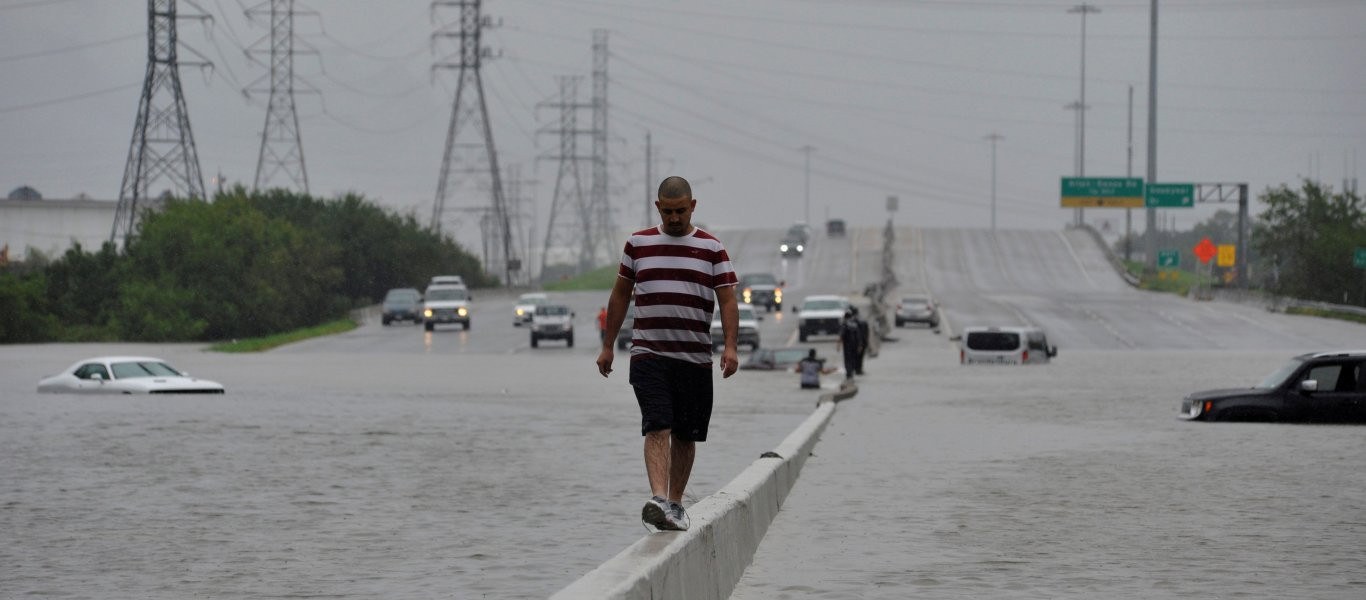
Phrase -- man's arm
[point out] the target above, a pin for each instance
(616, 313)
(730, 325)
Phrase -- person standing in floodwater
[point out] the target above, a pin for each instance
(850, 343)
(678, 274)
(602, 324)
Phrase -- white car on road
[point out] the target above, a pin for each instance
(821, 315)
(125, 375)
(552, 322)
(749, 328)
(446, 304)
(526, 306)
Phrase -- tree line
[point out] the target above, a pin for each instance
(1302, 244)
(245, 265)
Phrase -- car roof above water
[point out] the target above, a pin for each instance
(1333, 353)
(1007, 328)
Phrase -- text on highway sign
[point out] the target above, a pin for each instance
(1169, 195)
(1102, 192)
(1169, 259)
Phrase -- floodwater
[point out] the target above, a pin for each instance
(1068, 480)
(341, 475)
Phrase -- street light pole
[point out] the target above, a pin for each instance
(993, 138)
(1083, 9)
(1151, 258)
(1129, 172)
(807, 150)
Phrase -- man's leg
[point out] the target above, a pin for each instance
(657, 461)
(680, 467)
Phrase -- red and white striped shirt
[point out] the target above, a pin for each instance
(676, 280)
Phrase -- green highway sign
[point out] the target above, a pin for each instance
(1168, 259)
(1102, 192)
(1359, 258)
(1170, 195)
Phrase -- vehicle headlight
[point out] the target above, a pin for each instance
(426, 312)
(778, 295)
(519, 312)
(461, 311)
(799, 248)
(746, 294)
(783, 247)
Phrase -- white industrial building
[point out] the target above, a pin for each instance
(30, 223)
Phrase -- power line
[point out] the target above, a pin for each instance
(955, 68)
(41, 53)
(759, 118)
(65, 99)
(34, 4)
(1232, 5)
(881, 186)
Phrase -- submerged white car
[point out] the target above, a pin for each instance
(125, 375)
(1004, 346)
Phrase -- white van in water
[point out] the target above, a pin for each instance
(1004, 346)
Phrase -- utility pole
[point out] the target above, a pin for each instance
(1129, 172)
(282, 151)
(1151, 258)
(1077, 169)
(162, 145)
(1083, 9)
(993, 138)
(523, 223)
(807, 150)
(649, 180)
(474, 111)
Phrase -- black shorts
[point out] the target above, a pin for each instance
(674, 395)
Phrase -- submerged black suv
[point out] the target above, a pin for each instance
(1322, 387)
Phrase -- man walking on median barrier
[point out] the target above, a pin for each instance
(679, 273)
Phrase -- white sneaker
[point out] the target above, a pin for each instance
(655, 514)
(677, 517)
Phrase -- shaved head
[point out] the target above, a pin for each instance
(675, 206)
(674, 186)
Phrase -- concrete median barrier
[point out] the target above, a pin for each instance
(707, 561)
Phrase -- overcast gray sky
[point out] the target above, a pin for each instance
(895, 96)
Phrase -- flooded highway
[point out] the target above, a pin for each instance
(392, 462)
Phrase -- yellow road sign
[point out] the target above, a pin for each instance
(1227, 255)
(1102, 201)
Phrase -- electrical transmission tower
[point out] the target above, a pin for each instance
(561, 233)
(162, 146)
(523, 223)
(469, 109)
(282, 151)
(604, 231)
